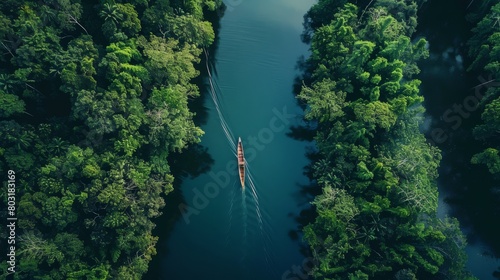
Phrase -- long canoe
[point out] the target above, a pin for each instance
(241, 163)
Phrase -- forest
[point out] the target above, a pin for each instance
(376, 217)
(94, 101)
(94, 97)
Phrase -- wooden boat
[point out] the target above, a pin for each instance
(241, 163)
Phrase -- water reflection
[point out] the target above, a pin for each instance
(465, 189)
(183, 166)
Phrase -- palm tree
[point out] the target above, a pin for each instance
(110, 12)
(24, 140)
(57, 146)
(47, 14)
(7, 83)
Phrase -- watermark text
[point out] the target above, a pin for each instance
(11, 221)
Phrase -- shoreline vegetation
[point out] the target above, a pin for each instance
(376, 217)
(94, 97)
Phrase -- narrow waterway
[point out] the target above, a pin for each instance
(216, 229)
(450, 95)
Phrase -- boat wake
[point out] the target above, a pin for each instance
(245, 226)
(262, 219)
(248, 223)
(230, 213)
(218, 105)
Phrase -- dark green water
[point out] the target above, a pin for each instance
(464, 189)
(227, 233)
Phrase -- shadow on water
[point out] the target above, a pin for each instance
(304, 132)
(305, 196)
(191, 163)
(197, 105)
(467, 189)
(301, 133)
(307, 192)
(182, 166)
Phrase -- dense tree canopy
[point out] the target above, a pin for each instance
(93, 98)
(376, 217)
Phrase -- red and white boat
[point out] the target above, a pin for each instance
(241, 163)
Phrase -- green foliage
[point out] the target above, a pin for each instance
(404, 11)
(171, 124)
(490, 157)
(93, 98)
(10, 104)
(376, 217)
(120, 19)
(36, 248)
(323, 12)
(376, 113)
(191, 30)
(168, 62)
(484, 44)
(484, 49)
(324, 103)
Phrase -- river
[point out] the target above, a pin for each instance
(226, 232)
(212, 229)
